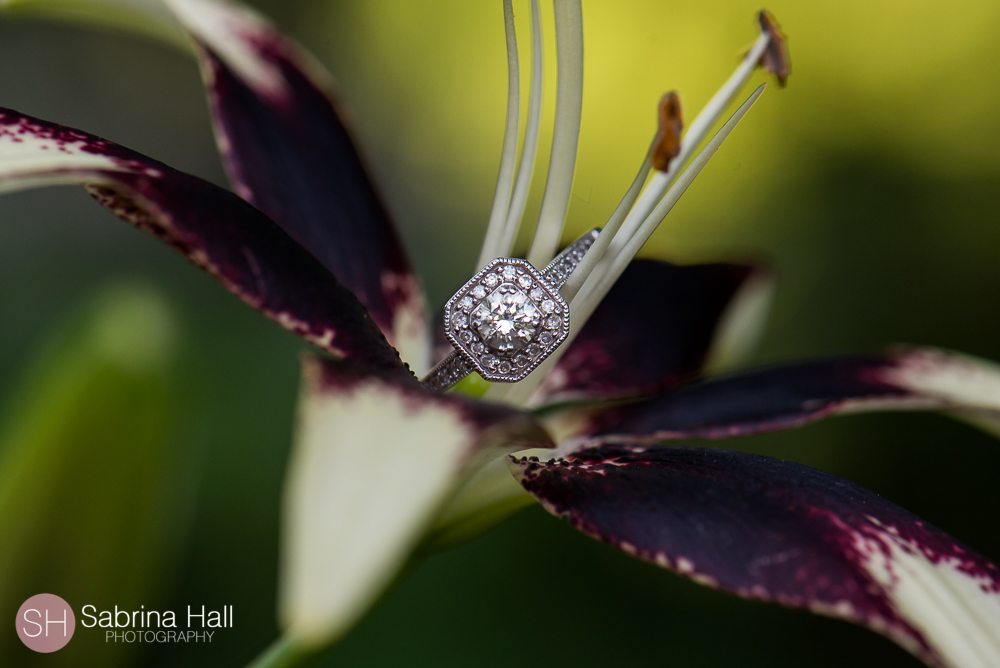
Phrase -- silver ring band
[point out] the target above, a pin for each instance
(507, 319)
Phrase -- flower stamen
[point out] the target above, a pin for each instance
(597, 286)
(565, 133)
(667, 143)
(508, 155)
(665, 146)
(642, 209)
(530, 149)
(775, 58)
(622, 225)
(696, 133)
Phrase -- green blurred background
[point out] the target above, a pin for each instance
(872, 183)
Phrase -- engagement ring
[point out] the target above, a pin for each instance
(507, 319)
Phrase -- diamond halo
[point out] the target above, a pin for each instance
(506, 320)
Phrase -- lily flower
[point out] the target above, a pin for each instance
(384, 466)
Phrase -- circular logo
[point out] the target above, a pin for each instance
(45, 623)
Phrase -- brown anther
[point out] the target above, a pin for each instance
(775, 58)
(667, 144)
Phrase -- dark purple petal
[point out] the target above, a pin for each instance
(654, 330)
(779, 531)
(214, 229)
(287, 151)
(788, 396)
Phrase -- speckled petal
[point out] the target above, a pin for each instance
(217, 231)
(779, 531)
(655, 329)
(789, 396)
(376, 458)
(287, 151)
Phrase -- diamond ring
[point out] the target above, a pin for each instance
(507, 319)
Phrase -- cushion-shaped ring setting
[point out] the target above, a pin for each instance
(506, 320)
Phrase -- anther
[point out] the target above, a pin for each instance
(667, 144)
(775, 58)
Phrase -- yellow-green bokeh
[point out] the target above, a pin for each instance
(872, 183)
(428, 84)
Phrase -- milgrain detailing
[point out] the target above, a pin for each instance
(507, 318)
(778, 531)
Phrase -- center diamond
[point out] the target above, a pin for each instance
(506, 320)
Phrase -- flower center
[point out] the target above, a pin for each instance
(506, 320)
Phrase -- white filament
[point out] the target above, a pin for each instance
(596, 287)
(530, 149)
(608, 232)
(621, 227)
(508, 155)
(702, 123)
(565, 134)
